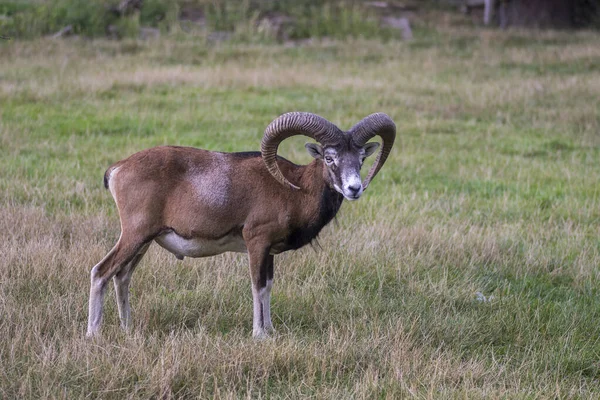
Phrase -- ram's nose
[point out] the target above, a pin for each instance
(353, 192)
(354, 189)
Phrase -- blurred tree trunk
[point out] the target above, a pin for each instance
(547, 13)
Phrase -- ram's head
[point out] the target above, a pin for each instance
(342, 152)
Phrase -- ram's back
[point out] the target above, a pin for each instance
(192, 191)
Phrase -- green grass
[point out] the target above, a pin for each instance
(245, 20)
(491, 188)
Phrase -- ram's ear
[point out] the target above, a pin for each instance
(370, 148)
(315, 150)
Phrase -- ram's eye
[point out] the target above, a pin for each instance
(328, 159)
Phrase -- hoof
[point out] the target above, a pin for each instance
(270, 330)
(92, 335)
(260, 335)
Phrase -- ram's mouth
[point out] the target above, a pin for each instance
(352, 197)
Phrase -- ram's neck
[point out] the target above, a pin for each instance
(316, 182)
(320, 204)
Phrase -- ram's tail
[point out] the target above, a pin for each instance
(107, 176)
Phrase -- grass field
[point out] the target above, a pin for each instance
(469, 269)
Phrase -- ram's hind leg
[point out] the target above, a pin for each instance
(121, 281)
(118, 258)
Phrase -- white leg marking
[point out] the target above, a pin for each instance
(122, 293)
(266, 306)
(261, 324)
(258, 331)
(97, 290)
(122, 288)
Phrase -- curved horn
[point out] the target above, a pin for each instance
(378, 124)
(291, 124)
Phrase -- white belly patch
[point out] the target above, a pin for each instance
(195, 247)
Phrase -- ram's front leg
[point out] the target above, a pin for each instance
(260, 263)
(266, 299)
